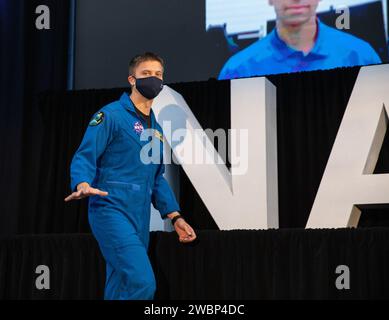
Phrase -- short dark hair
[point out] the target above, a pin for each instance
(147, 56)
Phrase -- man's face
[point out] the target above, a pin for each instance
(146, 69)
(294, 12)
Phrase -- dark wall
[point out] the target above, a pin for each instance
(11, 29)
(31, 61)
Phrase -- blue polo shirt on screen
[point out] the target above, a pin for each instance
(271, 55)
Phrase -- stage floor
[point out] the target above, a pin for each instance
(238, 264)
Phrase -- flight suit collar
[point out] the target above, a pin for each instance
(129, 105)
(126, 102)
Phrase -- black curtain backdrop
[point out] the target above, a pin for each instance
(239, 264)
(310, 107)
(32, 61)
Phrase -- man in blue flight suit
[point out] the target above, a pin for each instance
(299, 42)
(113, 168)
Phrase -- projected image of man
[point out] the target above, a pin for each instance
(299, 42)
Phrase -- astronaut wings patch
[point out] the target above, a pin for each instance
(158, 135)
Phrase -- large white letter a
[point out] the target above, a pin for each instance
(348, 180)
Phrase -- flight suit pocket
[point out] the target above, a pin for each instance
(132, 186)
(123, 196)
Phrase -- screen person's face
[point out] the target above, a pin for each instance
(294, 12)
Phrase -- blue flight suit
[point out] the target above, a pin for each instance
(109, 158)
(271, 55)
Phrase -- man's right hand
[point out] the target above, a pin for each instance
(85, 190)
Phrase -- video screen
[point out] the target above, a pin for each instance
(226, 39)
(263, 37)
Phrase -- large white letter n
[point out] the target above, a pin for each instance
(236, 199)
(348, 181)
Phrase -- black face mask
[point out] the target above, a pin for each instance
(149, 87)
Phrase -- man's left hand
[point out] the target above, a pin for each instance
(184, 230)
